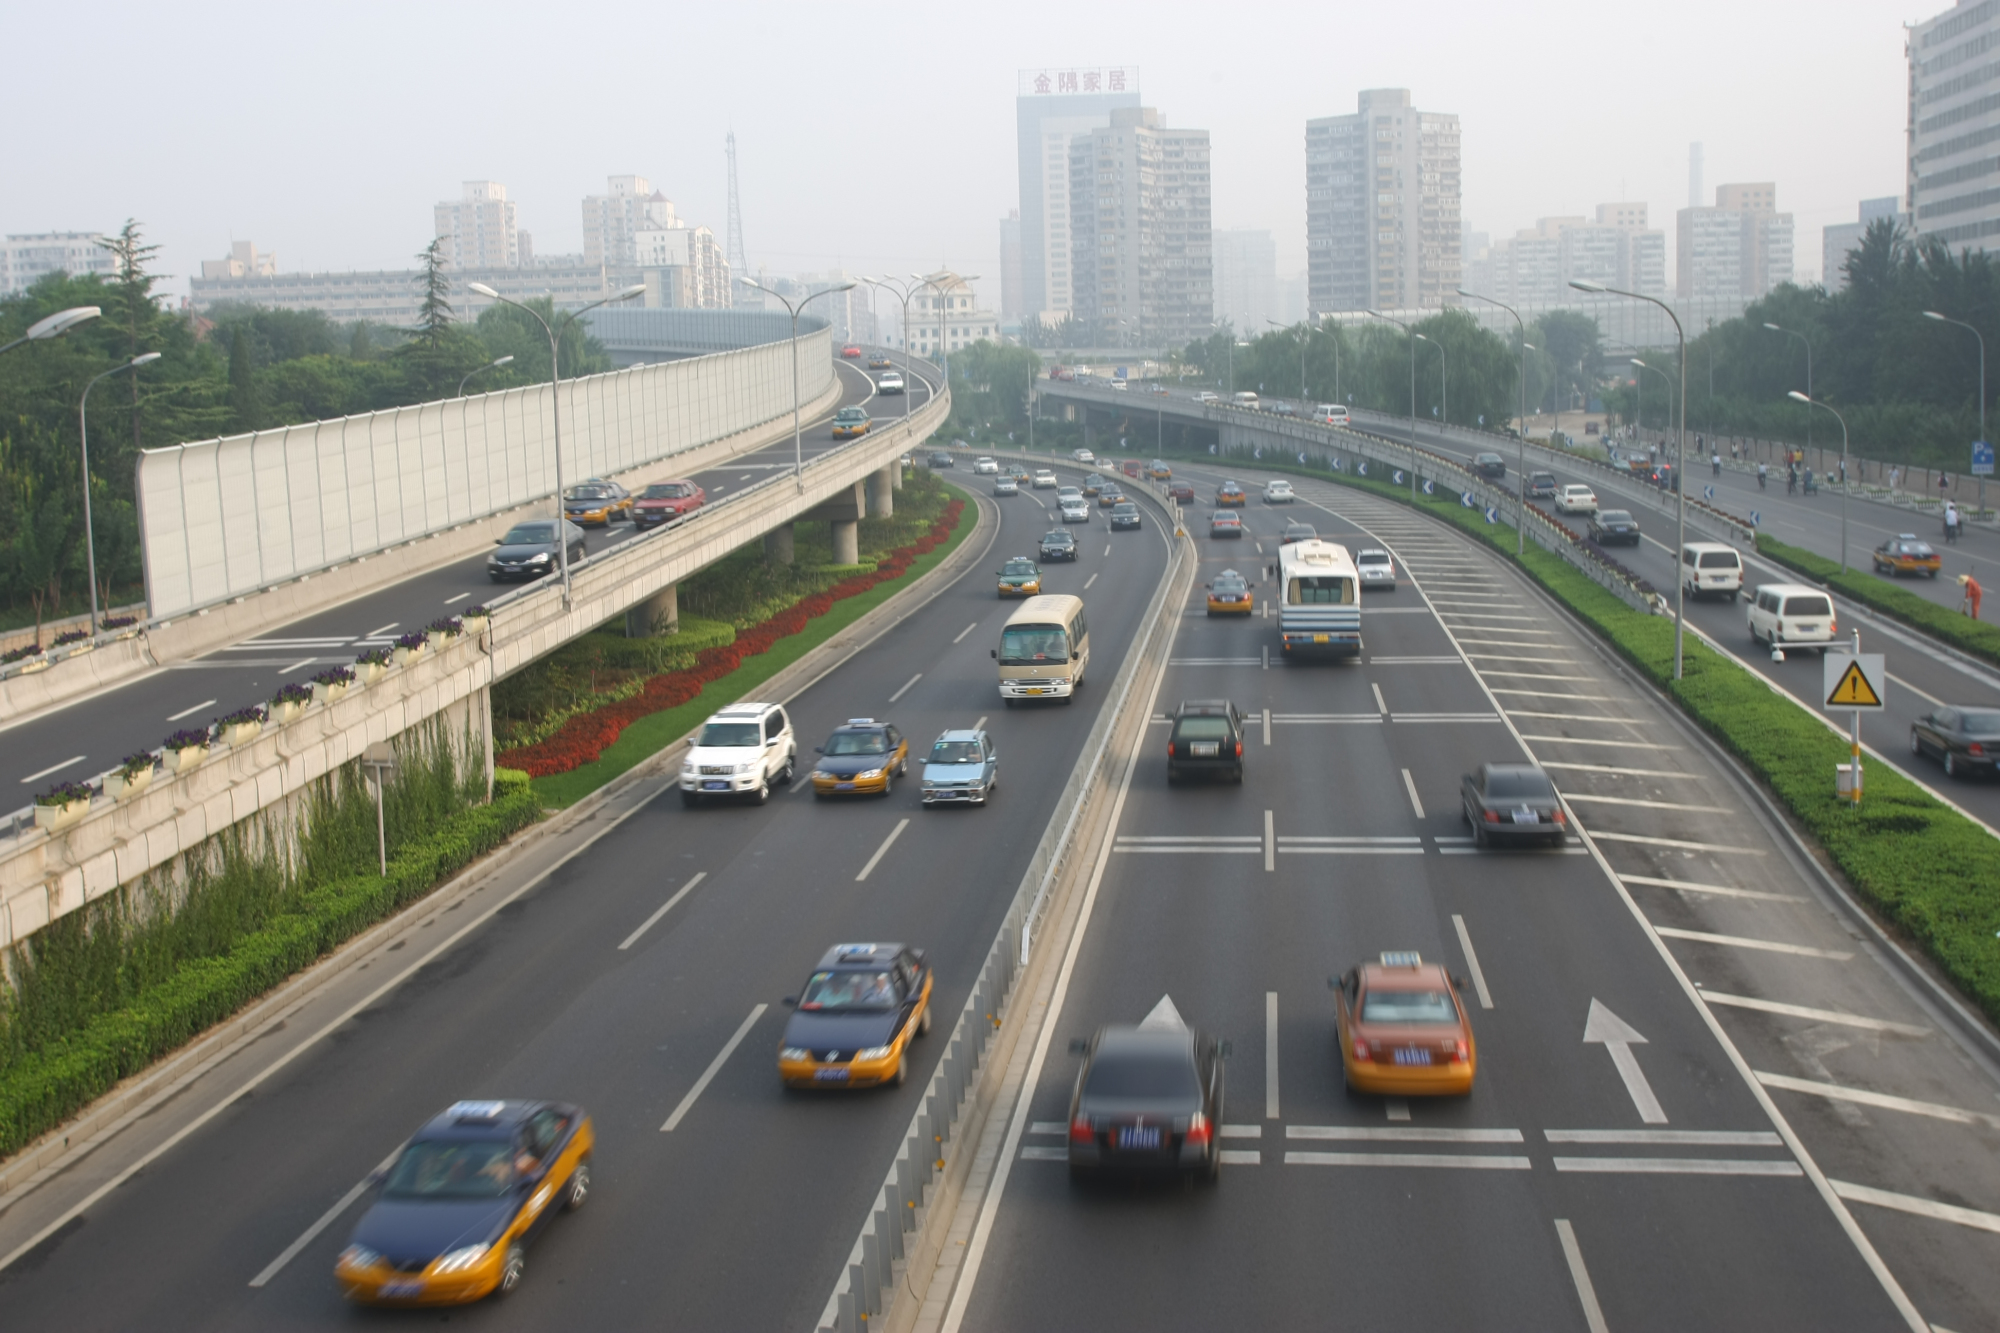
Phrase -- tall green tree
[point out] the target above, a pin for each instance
(434, 313)
(244, 403)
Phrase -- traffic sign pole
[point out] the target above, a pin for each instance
(1857, 683)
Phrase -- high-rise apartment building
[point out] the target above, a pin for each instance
(1010, 267)
(1382, 207)
(611, 222)
(1534, 267)
(634, 227)
(1953, 188)
(1842, 238)
(478, 228)
(1741, 247)
(1246, 280)
(1052, 107)
(25, 258)
(1141, 244)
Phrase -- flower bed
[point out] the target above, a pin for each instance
(583, 738)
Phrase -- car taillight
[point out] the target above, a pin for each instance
(1361, 1048)
(1976, 749)
(1080, 1131)
(1459, 1051)
(1833, 626)
(1239, 749)
(1198, 1130)
(1492, 816)
(1170, 749)
(1559, 815)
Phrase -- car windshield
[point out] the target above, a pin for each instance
(1808, 606)
(723, 735)
(852, 413)
(1916, 548)
(1980, 722)
(849, 990)
(1408, 1006)
(1719, 560)
(955, 752)
(857, 742)
(586, 493)
(1372, 558)
(1126, 508)
(1614, 516)
(670, 490)
(1203, 729)
(1142, 1076)
(451, 1170)
(529, 534)
(1229, 585)
(1029, 645)
(1319, 589)
(1544, 479)
(1019, 569)
(1519, 786)
(1058, 539)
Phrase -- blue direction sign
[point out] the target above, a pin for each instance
(1465, 499)
(1430, 487)
(1982, 459)
(1397, 475)
(1756, 519)
(1492, 513)
(1361, 469)
(1708, 492)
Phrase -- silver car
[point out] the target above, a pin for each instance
(1075, 511)
(1376, 569)
(960, 769)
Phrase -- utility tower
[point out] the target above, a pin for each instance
(739, 263)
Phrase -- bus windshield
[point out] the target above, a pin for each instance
(1033, 645)
(1307, 590)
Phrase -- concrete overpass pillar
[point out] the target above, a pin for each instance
(846, 541)
(882, 490)
(658, 614)
(778, 545)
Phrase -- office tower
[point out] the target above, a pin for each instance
(1051, 107)
(1382, 207)
(1141, 245)
(1954, 120)
(1740, 247)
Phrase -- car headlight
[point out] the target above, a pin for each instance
(539, 558)
(873, 1053)
(795, 1053)
(460, 1259)
(750, 767)
(870, 773)
(688, 767)
(359, 1256)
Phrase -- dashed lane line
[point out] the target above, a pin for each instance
(1815, 1015)
(1471, 959)
(189, 712)
(1410, 786)
(1579, 740)
(1586, 1292)
(967, 630)
(714, 1067)
(1746, 942)
(664, 908)
(53, 768)
(1463, 1161)
(1557, 694)
(883, 850)
(1711, 1138)
(1680, 1166)
(1609, 768)
(1415, 1134)
(1885, 1101)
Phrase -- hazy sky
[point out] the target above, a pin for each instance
(881, 137)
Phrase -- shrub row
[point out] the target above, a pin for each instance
(1962, 632)
(43, 1089)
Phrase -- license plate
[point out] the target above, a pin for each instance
(1526, 816)
(395, 1290)
(715, 786)
(1319, 638)
(1808, 629)
(1139, 1136)
(1203, 749)
(837, 1075)
(843, 786)
(1035, 691)
(1405, 1055)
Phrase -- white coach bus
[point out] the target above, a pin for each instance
(1319, 599)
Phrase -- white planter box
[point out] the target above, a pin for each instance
(123, 787)
(476, 624)
(405, 656)
(180, 761)
(367, 673)
(437, 638)
(241, 733)
(56, 818)
(327, 695)
(281, 713)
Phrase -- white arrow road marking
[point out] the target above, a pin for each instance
(1164, 1018)
(1619, 1037)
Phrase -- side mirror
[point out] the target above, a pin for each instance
(1458, 983)
(499, 541)
(819, 749)
(1078, 1046)
(791, 1002)
(993, 653)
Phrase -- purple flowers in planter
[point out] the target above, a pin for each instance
(65, 792)
(447, 625)
(118, 622)
(293, 693)
(186, 739)
(71, 636)
(243, 717)
(411, 641)
(134, 764)
(26, 650)
(477, 612)
(339, 675)
(374, 657)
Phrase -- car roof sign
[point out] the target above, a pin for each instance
(474, 1112)
(862, 722)
(1402, 958)
(855, 950)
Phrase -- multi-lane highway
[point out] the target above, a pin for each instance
(740, 1214)
(94, 733)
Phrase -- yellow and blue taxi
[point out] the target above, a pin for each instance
(455, 1211)
(862, 758)
(596, 501)
(1159, 470)
(1402, 1030)
(1230, 495)
(1230, 595)
(1904, 554)
(1020, 577)
(1093, 484)
(1109, 494)
(850, 422)
(852, 1024)
(880, 361)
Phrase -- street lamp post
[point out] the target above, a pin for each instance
(54, 326)
(1305, 335)
(944, 282)
(83, 434)
(1521, 440)
(1414, 335)
(1810, 404)
(1444, 394)
(1945, 319)
(1791, 333)
(903, 294)
(798, 446)
(1670, 398)
(1680, 454)
(555, 400)
(481, 370)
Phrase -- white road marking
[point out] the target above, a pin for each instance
(205, 703)
(1319, 719)
(1570, 717)
(906, 687)
(1608, 1030)
(1270, 844)
(1380, 706)
(1745, 942)
(967, 630)
(449, 601)
(800, 781)
(1291, 841)
(1472, 962)
(1415, 1134)
(980, 724)
(1242, 1131)
(1267, 726)
(714, 1067)
(1608, 768)
(1816, 1015)
(1040, 1154)
(1586, 1294)
(1887, 1102)
(1680, 843)
(883, 850)
(1926, 696)
(303, 662)
(1415, 661)
(1464, 1161)
(1679, 1166)
(77, 759)
(665, 908)
(1530, 675)
(1649, 805)
(1107, 548)
(1910, 1203)
(1689, 886)
(1714, 1138)
(326, 1219)
(1445, 717)
(1396, 1108)
(1092, 579)
(1242, 1157)
(1213, 661)
(377, 633)
(1267, 657)
(1270, 1055)
(1049, 1128)
(1619, 744)
(1554, 694)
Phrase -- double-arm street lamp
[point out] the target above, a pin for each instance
(1680, 453)
(1636, 421)
(83, 434)
(54, 326)
(1810, 404)
(1521, 440)
(798, 448)
(1414, 335)
(1794, 333)
(555, 399)
(941, 284)
(481, 370)
(902, 294)
(1946, 319)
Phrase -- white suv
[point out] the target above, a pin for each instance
(985, 467)
(744, 750)
(1045, 480)
(1711, 567)
(1792, 613)
(1576, 500)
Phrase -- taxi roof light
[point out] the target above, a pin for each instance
(861, 722)
(1402, 958)
(475, 1112)
(855, 950)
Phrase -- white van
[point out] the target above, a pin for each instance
(1792, 613)
(1711, 567)
(1331, 414)
(1243, 398)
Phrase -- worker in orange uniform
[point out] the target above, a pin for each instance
(1973, 592)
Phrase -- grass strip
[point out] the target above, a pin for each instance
(649, 735)
(1962, 632)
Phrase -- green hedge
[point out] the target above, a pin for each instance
(1961, 632)
(42, 1090)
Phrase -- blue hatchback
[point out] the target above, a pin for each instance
(961, 769)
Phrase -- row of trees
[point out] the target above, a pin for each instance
(239, 368)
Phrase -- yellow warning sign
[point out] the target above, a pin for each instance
(1853, 689)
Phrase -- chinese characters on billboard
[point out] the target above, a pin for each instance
(1060, 82)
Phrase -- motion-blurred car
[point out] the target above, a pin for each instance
(1082, 456)
(1229, 595)
(1376, 569)
(1157, 388)
(852, 1024)
(1904, 554)
(1020, 577)
(1230, 494)
(1208, 396)
(1298, 532)
(1402, 1030)
(459, 1204)
(1149, 1098)
(851, 422)
(1279, 492)
(596, 501)
(1510, 802)
(1130, 467)
(1093, 484)
(1489, 465)
(1060, 543)
(850, 351)
(1006, 486)
(528, 550)
(962, 769)
(1966, 740)
(1074, 511)
(1125, 517)
(939, 460)
(889, 383)
(665, 501)
(985, 467)
(1109, 495)
(1225, 523)
(880, 361)
(1576, 499)
(1206, 738)
(1609, 526)
(862, 758)
(1020, 473)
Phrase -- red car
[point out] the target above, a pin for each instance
(1183, 492)
(665, 501)
(850, 351)
(1131, 467)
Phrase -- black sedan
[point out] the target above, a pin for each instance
(1149, 1099)
(1059, 544)
(1207, 737)
(1504, 802)
(1489, 465)
(528, 551)
(1125, 515)
(1298, 532)
(1965, 740)
(1614, 525)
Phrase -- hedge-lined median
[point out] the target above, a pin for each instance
(1960, 631)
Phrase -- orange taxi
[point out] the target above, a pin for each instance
(1904, 554)
(1230, 595)
(1402, 1030)
(1230, 495)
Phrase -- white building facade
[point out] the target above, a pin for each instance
(1740, 248)
(30, 256)
(1246, 281)
(1142, 247)
(1953, 189)
(478, 228)
(948, 317)
(1383, 205)
(1535, 267)
(1051, 108)
(245, 261)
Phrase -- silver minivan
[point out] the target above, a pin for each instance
(1711, 568)
(1792, 613)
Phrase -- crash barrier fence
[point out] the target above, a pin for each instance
(902, 1210)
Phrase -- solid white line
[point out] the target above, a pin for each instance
(883, 850)
(980, 724)
(1291, 842)
(1377, 1134)
(1270, 1055)
(1673, 842)
(1679, 1166)
(1817, 1015)
(714, 1067)
(77, 759)
(1352, 851)
(1444, 717)
(1689, 886)
(1466, 1161)
(1586, 1294)
(1835, 1092)
(1745, 942)
(1380, 706)
(1573, 740)
(1649, 805)
(665, 908)
(799, 782)
(1552, 694)
(1092, 579)
(906, 687)
(1904, 684)
(205, 703)
(1715, 1138)
(1177, 837)
(1410, 785)
(326, 1219)
(1242, 1131)
(303, 662)
(1910, 1203)
(1270, 844)
(1472, 962)
(1607, 768)
(967, 630)
(376, 633)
